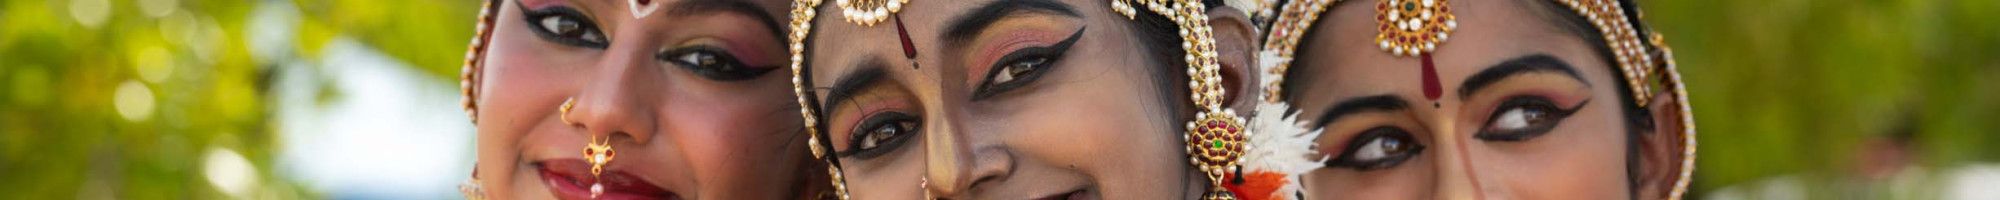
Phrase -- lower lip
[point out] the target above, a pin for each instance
(576, 188)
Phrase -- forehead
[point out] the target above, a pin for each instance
(836, 44)
(1344, 53)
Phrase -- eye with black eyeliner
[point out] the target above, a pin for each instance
(1522, 118)
(1377, 148)
(881, 133)
(564, 25)
(712, 63)
(1022, 66)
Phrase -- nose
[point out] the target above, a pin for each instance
(1457, 178)
(957, 162)
(613, 99)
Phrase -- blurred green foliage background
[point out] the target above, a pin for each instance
(144, 99)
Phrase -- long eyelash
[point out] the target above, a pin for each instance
(882, 147)
(533, 18)
(1052, 53)
(1346, 158)
(744, 71)
(1531, 132)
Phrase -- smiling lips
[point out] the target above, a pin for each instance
(570, 179)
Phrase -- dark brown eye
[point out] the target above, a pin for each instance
(566, 26)
(712, 63)
(1522, 118)
(1018, 69)
(881, 133)
(1377, 148)
(1021, 67)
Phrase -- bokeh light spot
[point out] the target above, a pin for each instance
(134, 101)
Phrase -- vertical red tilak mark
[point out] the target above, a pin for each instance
(909, 50)
(1431, 88)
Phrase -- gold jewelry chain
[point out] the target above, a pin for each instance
(477, 47)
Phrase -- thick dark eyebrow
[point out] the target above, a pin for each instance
(1361, 104)
(965, 27)
(1517, 66)
(866, 72)
(708, 7)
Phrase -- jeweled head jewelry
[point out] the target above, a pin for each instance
(1404, 33)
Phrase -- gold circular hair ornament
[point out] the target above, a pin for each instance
(1639, 62)
(869, 12)
(1413, 27)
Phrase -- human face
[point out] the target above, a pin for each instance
(1530, 110)
(1004, 100)
(686, 96)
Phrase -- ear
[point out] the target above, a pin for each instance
(1661, 151)
(1236, 41)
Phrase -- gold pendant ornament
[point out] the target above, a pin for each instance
(598, 154)
(869, 12)
(1413, 27)
(1215, 144)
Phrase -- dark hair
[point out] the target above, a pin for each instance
(1161, 40)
